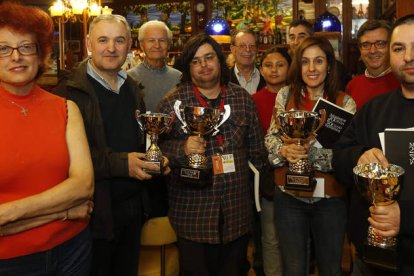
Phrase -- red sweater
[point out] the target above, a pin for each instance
(34, 158)
(363, 89)
(265, 101)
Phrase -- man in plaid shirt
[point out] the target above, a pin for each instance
(212, 223)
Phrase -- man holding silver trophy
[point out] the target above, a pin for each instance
(214, 136)
(359, 155)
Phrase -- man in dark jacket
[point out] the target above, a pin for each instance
(360, 144)
(108, 99)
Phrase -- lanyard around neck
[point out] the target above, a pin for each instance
(204, 103)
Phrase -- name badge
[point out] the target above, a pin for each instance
(223, 164)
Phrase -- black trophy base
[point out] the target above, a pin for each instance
(195, 177)
(300, 182)
(382, 258)
(154, 172)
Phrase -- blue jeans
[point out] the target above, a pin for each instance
(71, 258)
(272, 261)
(298, 222)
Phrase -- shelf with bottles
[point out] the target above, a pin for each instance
(359, 15)
(268, 19)
(260, 50)
(176, 16)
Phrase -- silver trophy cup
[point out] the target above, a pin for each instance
(379, 186)
(199, 121)
(154, 124)
(300, 125)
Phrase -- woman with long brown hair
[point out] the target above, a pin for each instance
(320, 217)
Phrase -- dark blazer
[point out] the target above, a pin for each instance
(107, 163)
(233, 79)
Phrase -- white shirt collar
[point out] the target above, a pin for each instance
(122, 76)
(368, 75)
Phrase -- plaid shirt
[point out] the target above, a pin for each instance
(195, 212)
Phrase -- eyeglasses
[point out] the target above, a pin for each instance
(208, 58)
(379, 44)
(247, 46)
(24, 50)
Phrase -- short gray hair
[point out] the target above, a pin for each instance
(111, 17)
(154, 23)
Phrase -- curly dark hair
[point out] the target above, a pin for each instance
(28, 19)
(190, 50)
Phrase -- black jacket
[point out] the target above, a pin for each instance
(233, 79)
(75, 86)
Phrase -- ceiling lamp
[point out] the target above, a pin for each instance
(74, 9)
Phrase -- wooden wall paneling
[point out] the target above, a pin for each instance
(404, 7)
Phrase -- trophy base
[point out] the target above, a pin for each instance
(154, 172)
(195, 177)
(382, 258)
(300, 182)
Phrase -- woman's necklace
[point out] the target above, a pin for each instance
(23, 110)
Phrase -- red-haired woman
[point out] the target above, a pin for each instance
(46, 175)
(320, 217)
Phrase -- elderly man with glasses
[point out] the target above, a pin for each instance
(244, 72)
(373, 37)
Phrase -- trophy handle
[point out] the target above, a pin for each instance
(226, 115)
(278, 124)
(137, 116)
(178, 114)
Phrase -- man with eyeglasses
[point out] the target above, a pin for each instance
(373, 37)
(360, 144)
(154, 40)
(244, 72)
(212, 222)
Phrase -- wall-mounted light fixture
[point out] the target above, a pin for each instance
(75, 9)
(72, 11)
